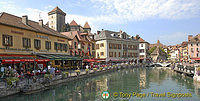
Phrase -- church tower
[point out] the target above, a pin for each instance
(56, 19)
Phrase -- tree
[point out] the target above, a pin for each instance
(152, 49)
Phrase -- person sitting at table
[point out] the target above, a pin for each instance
(44, 71)
(38, 71)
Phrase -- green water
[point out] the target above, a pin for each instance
(140, 81)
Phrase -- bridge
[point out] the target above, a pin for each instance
(160, 64)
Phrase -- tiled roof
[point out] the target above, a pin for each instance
(12, 20)
(106, 34)
(73, 34)
(195, 39)
(57, 10)
(86, 25)
(73, 23)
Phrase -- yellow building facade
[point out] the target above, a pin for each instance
(17, 46)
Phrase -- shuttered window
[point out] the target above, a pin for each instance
(7, 40)
(26, 42)
(37, 44)
(48, 45)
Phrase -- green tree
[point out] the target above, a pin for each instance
(152, 49)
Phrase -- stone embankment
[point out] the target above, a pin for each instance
(40, 83)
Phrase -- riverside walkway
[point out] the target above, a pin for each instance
(184, 69)
(43, 82)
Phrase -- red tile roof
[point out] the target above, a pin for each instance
(86, 25)
(195, 38)
(73, 23)
(141, 40)
(73, 34)
(57, 10)
(15, 21)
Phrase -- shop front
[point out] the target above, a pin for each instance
(63, 61)
(22, 64)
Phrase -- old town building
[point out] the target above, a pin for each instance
(143, 48)
(194, 47)
(22, 38)
(158, 55)
(116, 46)
(183, 50)
(81, 44)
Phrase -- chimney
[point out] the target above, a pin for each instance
(189, 37)
(25, 19)
(41, 22)
(98, 32)
(120, 31)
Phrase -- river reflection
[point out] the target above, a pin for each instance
(140, 80)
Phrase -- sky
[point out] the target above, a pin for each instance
(169, 21)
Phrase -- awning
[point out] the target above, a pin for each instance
(58, 57)
(195, 58)
(89, 60)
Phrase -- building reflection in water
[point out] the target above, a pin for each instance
(142, 80)
(127, 80)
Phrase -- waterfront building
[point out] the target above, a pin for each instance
(81, 44)
(143, 48)
(116, 46)
(24, 39)
(81, 40)
(194, 47)
(158, 44)
(183, 50)
(174, 55)
(158, 55)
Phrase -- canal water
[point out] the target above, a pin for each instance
(144, 84)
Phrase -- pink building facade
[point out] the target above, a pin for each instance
(194, 47)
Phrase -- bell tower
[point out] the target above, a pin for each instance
(56, 19)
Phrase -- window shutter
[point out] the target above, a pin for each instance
(39, 44)
(11, 41)
(49, 45)
(29, 43)
(3, 41)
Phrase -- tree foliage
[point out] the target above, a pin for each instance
(152, 49)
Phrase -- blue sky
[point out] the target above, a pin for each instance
(170, 21)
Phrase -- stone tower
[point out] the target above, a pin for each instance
(87, 27)
(56, 19)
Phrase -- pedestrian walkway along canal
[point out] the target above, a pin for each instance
(131, 84)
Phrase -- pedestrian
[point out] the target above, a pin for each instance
(87, 66)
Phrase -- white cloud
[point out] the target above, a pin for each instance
(134, 10)
(173, 38)
(117, 11)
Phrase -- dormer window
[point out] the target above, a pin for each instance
(113, 35)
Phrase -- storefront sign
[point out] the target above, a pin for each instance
(17, 32)
(43, 37)
(24, 60)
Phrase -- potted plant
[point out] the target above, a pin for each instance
(65, 74)
(87, 71)
(77, 72)
(101, 68)
(94, 69)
